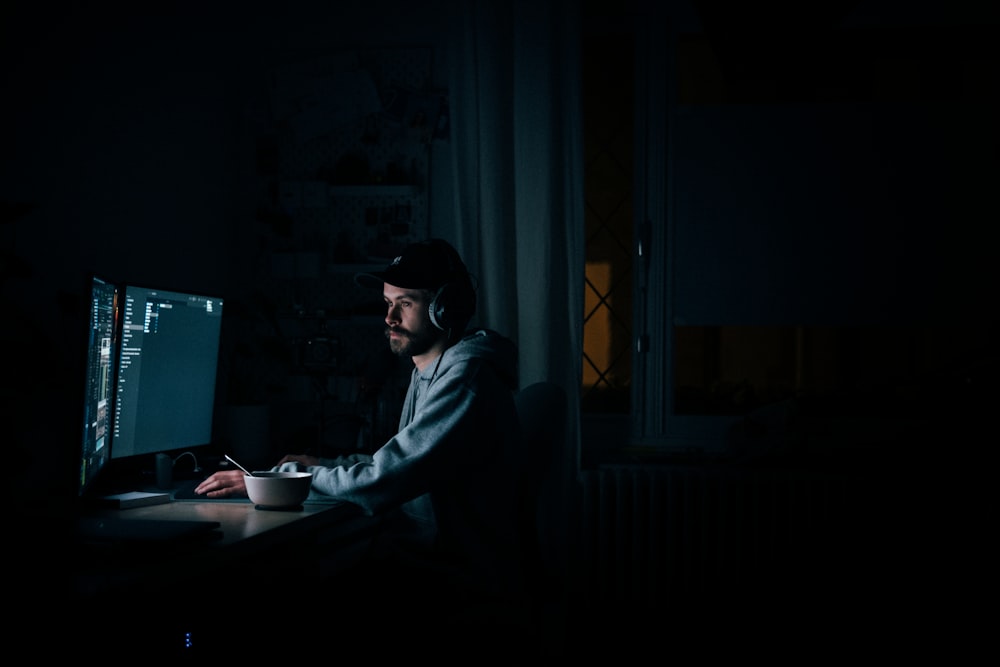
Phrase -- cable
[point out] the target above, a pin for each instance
(193, 457)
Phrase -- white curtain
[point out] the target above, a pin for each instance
(517, 156)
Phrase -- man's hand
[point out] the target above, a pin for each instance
(223, 484)
(299, 458)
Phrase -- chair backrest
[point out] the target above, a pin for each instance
(541, 409)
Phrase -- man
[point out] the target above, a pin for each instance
(445, 483)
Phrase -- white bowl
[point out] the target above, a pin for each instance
(278, 489)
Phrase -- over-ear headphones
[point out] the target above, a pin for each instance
(455, 302)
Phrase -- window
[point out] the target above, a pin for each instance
(608, 326)
(753, 238)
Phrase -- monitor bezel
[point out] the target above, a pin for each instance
(91, 472)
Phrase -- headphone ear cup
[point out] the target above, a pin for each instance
(455, 302)
(438, 309)
(452, 306)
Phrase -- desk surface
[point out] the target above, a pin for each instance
(245, 533)
(241, 523)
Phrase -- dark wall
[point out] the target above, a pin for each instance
(127, 149)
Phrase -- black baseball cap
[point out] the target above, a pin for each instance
(421, 265)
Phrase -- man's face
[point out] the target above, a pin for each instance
(408, 326)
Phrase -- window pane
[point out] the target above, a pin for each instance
(608, 137)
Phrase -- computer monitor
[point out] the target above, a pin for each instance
(166, 371)
(101, 355)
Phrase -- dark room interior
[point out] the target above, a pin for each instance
(786, 379)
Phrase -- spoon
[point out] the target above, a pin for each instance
(230, 459)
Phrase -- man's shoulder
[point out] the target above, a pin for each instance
(488, 346)
(484, 342)
(482, 355)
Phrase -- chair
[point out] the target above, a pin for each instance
(511, 626)
(541, 409)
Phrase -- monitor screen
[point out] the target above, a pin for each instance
(101, 352)
(169, 355)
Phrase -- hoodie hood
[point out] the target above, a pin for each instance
(487, 345)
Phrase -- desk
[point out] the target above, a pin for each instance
(243, 525)
(251, 545)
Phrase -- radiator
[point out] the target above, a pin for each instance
(652, 533)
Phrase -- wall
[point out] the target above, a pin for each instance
(127, 149)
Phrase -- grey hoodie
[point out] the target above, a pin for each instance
(451, 468)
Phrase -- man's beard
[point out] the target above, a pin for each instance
(412, 343)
